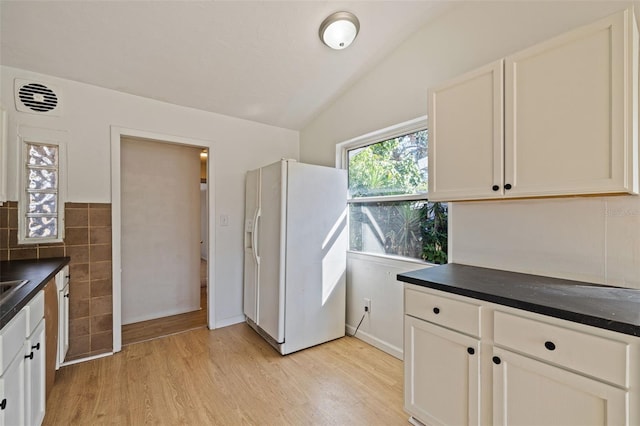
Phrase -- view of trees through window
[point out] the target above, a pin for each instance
(411, 227)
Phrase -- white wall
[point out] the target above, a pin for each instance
(572, 238)
(593, 239)
(374, 278)
(235, 146)
(160, 234)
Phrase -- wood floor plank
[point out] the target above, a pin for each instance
(231, 376)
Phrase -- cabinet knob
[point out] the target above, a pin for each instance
(496, 360)
(495, 187)
(471, 351)
(436, 311)
(66, 295)
(3, 404)
(550, 345)
(36, 347)
(30, 356)
(507, 186)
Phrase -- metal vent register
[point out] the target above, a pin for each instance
(35, 97)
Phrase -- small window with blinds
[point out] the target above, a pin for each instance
(40, 207)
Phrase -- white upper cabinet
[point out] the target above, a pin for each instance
(466, 141)
(570, 125)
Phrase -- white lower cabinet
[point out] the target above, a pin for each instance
(12, 392)
(12, 344)
(22, 363)
(35, 376)
(442, 359)
(531, 392)
(513, 367)
(441, 374)
(62, 283)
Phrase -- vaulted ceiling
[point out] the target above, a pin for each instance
(257, 60)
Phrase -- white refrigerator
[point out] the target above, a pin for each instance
(295, 244)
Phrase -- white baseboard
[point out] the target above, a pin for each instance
(230, 321)
(375, 342)
(163, 314)
(89, 358)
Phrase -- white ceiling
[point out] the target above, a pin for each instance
(258, 60)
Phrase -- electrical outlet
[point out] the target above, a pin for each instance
(367, 305)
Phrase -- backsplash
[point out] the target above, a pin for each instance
(593, 239)
(88, 243)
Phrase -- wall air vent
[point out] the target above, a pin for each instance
(36, 98)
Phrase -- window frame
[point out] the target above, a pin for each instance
(381, 135)
(3, 154)
(40, 137)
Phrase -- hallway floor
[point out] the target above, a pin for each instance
(166, 326)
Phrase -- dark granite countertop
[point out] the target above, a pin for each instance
(607, 307)
(37, 271)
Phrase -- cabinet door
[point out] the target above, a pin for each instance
(35, 376)
(531, 392)
(63, 331)
(466, 136)
(569, 104)
(441, 368)
(12, 392)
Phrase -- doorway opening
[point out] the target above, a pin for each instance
(161, 199)
(161, 239)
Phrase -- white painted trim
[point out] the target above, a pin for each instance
(37, 135)
(90, 358)
(387, 259)
(3, 153)
(116, 231)
(230, 321)
(377, 343)
(450, 225)
(387, 198)
(116, 224)
(167, 313)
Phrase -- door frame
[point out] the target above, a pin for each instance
(117, 133)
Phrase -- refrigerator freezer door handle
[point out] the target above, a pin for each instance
(254, 235)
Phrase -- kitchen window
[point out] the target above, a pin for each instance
(40, 206)
(389, 211)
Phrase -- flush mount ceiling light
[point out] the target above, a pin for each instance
(339, 30)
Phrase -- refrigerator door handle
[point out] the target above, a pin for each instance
(254, 236)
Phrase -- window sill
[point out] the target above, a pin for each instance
(389, 258)
(32, 242)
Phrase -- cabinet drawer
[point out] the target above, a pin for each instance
(592, 355)
(12, 339)
(35, 312)
(450, 313)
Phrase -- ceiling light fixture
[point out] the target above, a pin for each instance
(339, 30)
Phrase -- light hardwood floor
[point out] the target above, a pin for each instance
(231, 376)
